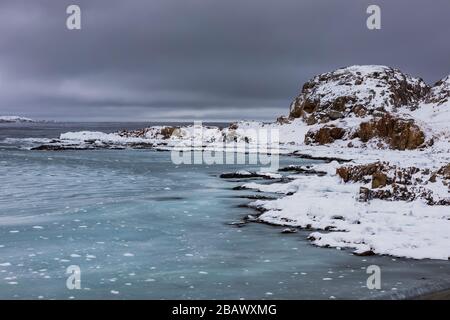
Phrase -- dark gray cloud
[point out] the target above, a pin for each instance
(201, 59)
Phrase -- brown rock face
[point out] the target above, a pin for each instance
(379, 180)
(389, 182)
(362, 172)
(166, 132)
(325, 135)
(399, 134)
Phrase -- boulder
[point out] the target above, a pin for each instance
(398, 133)
(325, 135)
(379, 180)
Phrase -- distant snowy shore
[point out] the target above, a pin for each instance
(11, 119)
(392, 196)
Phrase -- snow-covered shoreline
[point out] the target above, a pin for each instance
(393, 129)
(399, 228)
(327, 204)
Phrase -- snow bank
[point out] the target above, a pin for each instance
(398, 228)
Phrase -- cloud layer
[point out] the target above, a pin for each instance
(201, 59)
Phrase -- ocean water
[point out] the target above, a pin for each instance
(139, 227)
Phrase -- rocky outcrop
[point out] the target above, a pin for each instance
(398, 133)
(440, 92)
(389, 182)
(325, 135)
(391, 131)
(161, 132)
(357, 91)
(371, 103)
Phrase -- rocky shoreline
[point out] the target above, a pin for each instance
(383, 139)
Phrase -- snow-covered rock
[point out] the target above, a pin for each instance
(373, 106)
(440, 92)
(357, 91)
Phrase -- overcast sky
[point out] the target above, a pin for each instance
(201, 59)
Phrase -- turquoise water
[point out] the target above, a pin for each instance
(141, 227)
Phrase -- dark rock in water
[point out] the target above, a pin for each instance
(364, 253)
(240, 188)
(238, 224)
(257, 197)
(325, 159)
(301, 170)
(45, 147)
(260, 209)
(167, 198)
(244, 175)
(141, 145)
(56, 147)
(289, 230)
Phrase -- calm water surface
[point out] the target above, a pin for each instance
(141, 227)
